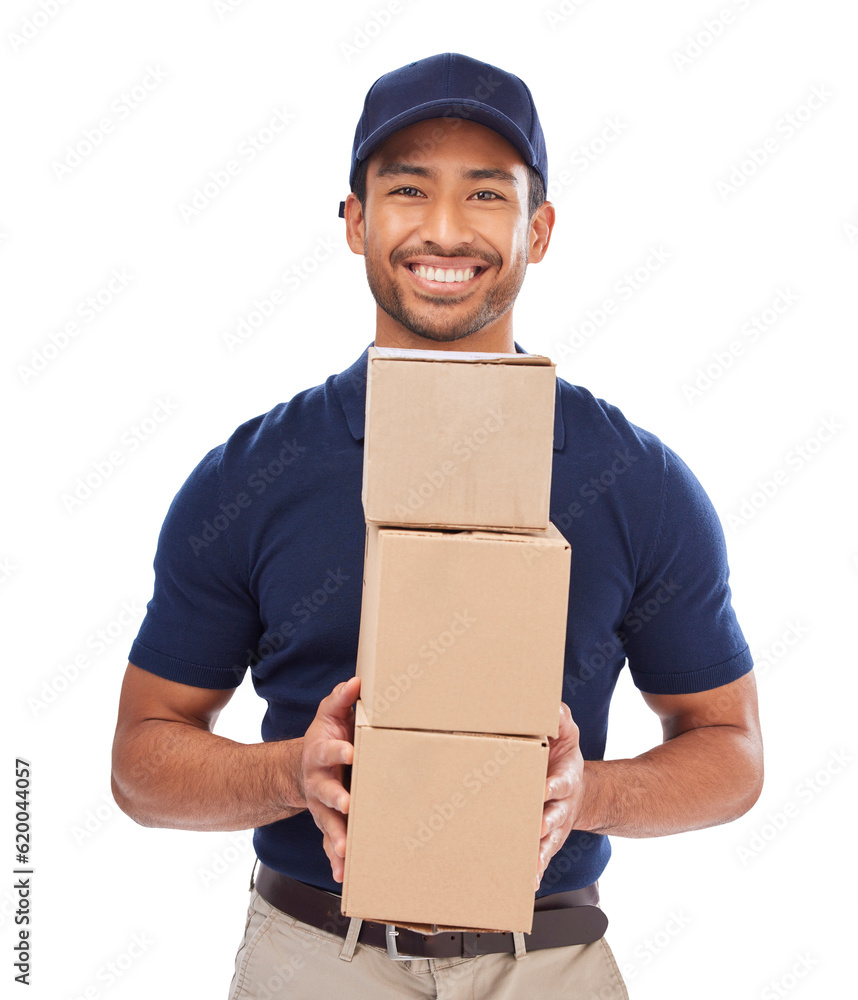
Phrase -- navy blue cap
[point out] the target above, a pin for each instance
(450, 86)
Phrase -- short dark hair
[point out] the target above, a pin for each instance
(535, 187)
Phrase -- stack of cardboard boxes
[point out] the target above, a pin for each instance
(462, 639)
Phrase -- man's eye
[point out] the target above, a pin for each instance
(486, 196)
(409, 191)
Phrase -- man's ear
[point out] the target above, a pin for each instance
(355, 228)
(541, 226)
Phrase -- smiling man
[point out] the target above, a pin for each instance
(451, 235)
(447, 207)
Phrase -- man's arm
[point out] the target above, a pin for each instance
(171, 770)
(708, 770)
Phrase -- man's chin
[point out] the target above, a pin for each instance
(432, 318)
(438, 333)
(443, 337)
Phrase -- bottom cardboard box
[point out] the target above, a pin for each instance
(443, 828)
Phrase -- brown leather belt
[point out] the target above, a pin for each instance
(559, 920)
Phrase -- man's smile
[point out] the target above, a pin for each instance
(442, 279)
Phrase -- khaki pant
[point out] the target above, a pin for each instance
(283, 957)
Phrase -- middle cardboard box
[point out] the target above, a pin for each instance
(464, 631)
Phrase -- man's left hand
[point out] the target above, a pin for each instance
(564, 790)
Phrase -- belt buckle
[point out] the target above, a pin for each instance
(390, 933)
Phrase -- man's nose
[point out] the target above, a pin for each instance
(445, 223)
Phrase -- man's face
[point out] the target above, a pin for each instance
(445, 228)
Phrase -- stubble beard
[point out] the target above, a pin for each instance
(458, 325)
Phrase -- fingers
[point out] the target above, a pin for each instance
(564, 759)
(568, 730)
(338, 864)
(338, 703)
(556, 820)
(548, 847)
(327, 797)
(554, 815)
(561, 781)
(333, 827)
(324, 756)
(328, 753)
(563, 790)
(331, 794)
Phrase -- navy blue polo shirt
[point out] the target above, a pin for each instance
(259, 565)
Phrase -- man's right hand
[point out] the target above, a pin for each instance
(328, 748)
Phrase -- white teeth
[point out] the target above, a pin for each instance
(443, 274)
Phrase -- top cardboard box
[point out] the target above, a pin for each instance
(458, 439)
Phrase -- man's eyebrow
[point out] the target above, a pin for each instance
(400, 167)
(490, 174)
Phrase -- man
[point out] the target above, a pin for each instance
(447, 207)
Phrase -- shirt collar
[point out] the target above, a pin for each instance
(350, 388)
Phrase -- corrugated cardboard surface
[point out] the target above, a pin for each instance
(443, 828)
(461, 441)
(464, 631)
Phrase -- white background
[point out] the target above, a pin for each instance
(740, 909)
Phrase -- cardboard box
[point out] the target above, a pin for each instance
(458, 439)
(464, 630)
(443, 828)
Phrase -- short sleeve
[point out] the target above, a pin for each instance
(202, 625)
(681, 632)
